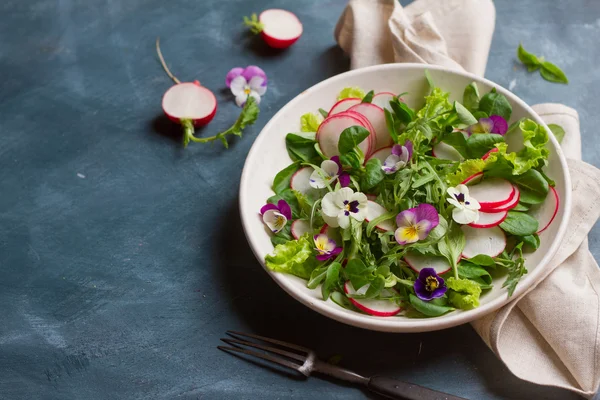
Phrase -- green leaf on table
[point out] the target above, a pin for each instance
(527, 58)
(480, 143)
(283, 177)
(519, 224)
(351, 137)
(471, 97)
(428, 309)
(310, 122)
(552, 73)
(494, 103)
(331, 279)
(557, 131)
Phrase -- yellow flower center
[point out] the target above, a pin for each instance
(431, 283)
(247, 90)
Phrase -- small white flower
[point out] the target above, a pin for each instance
(321, 178)
(465, 207)
(241, 89)
(400, 157)
(339, 206)
(275, 220)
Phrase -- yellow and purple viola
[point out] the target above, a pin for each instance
(429, 285)
(400, 158)
(276, 216)
(415, 223)
(493, 124)
(326, 247)
(330, 172)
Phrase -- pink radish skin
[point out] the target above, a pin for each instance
(488, 241)
(489, 220)
(378, 308)
(343, 105)
(473, 179)
(382, 99)
(444, 151)
(300, 181)
(281, 28)
(299, 228)
(330, 130)
(512, 204)
(492, 193)
(374, 210)
(376, 117)
(371, 197)
(486, 155)
(546, 212)
(189, 100)
(417, 262)
(381, 154)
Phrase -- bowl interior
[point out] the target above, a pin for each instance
(268, 156)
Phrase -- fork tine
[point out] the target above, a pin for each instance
(276, 360)
(269, 340)
(266, 348)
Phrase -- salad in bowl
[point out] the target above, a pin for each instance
(400, 211)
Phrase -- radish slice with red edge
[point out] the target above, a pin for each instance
(330, 130)
(382, 99)
(299, 228)
(374, 210)
(546, 211)
(488, 220)
(473, 179)
(371, 197)
(381, 154)
(511, 204)
(343, 105)
(488, 241)
(300, 181)
(376, 117)
(417, 262)
(280, 28)
(189, 101)
(444, 151)
(492, 192)
(376, 307)
(486, 155)
(367, 124)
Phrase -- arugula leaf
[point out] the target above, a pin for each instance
(532, 186)
(324, 113)
(480, 143)
(463, 293)
(471, 97)
(464, 115)
(351, 92)
(316, 277)
(357, 273)
(301, 147)
(331, 279)
(373, 174)
(519, 224)
(516, 269)
(494, 103)
(552, 73)
(295, 257)
(452, 245)
(557, 131)
(391, 125)
(368, 97)
(309, 122)
(428, 309)
(283, 177)
(351, 137)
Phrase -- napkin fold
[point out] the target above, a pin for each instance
(550, 335)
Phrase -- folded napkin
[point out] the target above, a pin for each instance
(549, 335)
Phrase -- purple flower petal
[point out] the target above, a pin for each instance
(268, 207)
(406, 218)
(409, 146)
(397, 150)
(344, 179)
(336, 251)
(252, 71)
(234, 73)
(323, 257)
(429, 213)
(422, 290)
(284, 208)
(499, 125)
(336, 159)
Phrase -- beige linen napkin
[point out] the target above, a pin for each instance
(551, 334)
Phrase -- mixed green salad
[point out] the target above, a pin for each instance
(414, 212)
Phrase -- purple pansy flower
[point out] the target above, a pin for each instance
(326, 247)
(429, 285)
(244, 82)
(493, 124)
(400, 157)
(276, 216)
(415, 224)
(330, 171)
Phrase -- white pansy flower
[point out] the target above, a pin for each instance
(465, 207)
(340, 206)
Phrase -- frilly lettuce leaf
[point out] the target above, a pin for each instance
(435, 104)
(310, 122)
(466, 169)
(295, 257)
(463, 293)
(351, 92)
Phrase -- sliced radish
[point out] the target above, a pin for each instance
(511, 204)
(382, 99)
(330, 130)
(343, 105)
(299, 228)
(488, 241)
(486, 155)
(381, 154)
(418, 261)
(446, 152)
(332, 233)
(378, 308)
(376, 117)
(546, 211)
(473, 179)
(492, 192)
(372, 197)
(488, 220)
(367, 124)
(374, 210)
(300, 181)
(189, 101)
(281, 28)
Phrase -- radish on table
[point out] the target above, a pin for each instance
(416, 208)
(278, 28)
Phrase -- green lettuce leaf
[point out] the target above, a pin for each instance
(310, 122)
(463, 293)
(351, 92)
(435, 104)
(295, 257)
(535, 153)
(465, 170)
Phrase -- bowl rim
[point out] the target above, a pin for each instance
(394, 324)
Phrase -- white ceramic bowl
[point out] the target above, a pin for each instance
(268, 156)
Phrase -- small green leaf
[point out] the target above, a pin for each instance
(391, 125)
(484, 260)
(316, 277)
(324, 113)
(368, 97)
(532, 186)
(373, 174)
(375, 287)
(452, 245)
(357, 273)
(254, 24)
(558, 131)
(301, 147)
(471, 97)
(521, 207)
(529, 59)
(309, 122)
(533, 241)
(402, 112)
(428, 309)
(458, 141)
(429, 80)
(519, 224)
(494, 103)
(282, 179)
(351, 92)
(351, 137)
(470, 271)
(331, 279)
(342, 301)
(552, 73)
(480, 143)
(464, 115)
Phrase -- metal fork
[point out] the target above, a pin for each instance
(305, 361)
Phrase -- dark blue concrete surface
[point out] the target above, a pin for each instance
(122, 258)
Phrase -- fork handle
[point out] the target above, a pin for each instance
(394, 389)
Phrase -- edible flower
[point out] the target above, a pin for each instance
(328, 173)
(244, 82)
(400, 157)
(415, 223)
(493, 124)
(429, 285)
(341, 205)
(325, 247)
(465, 207)
(276, 216)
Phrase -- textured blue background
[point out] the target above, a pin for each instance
(122, 259)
